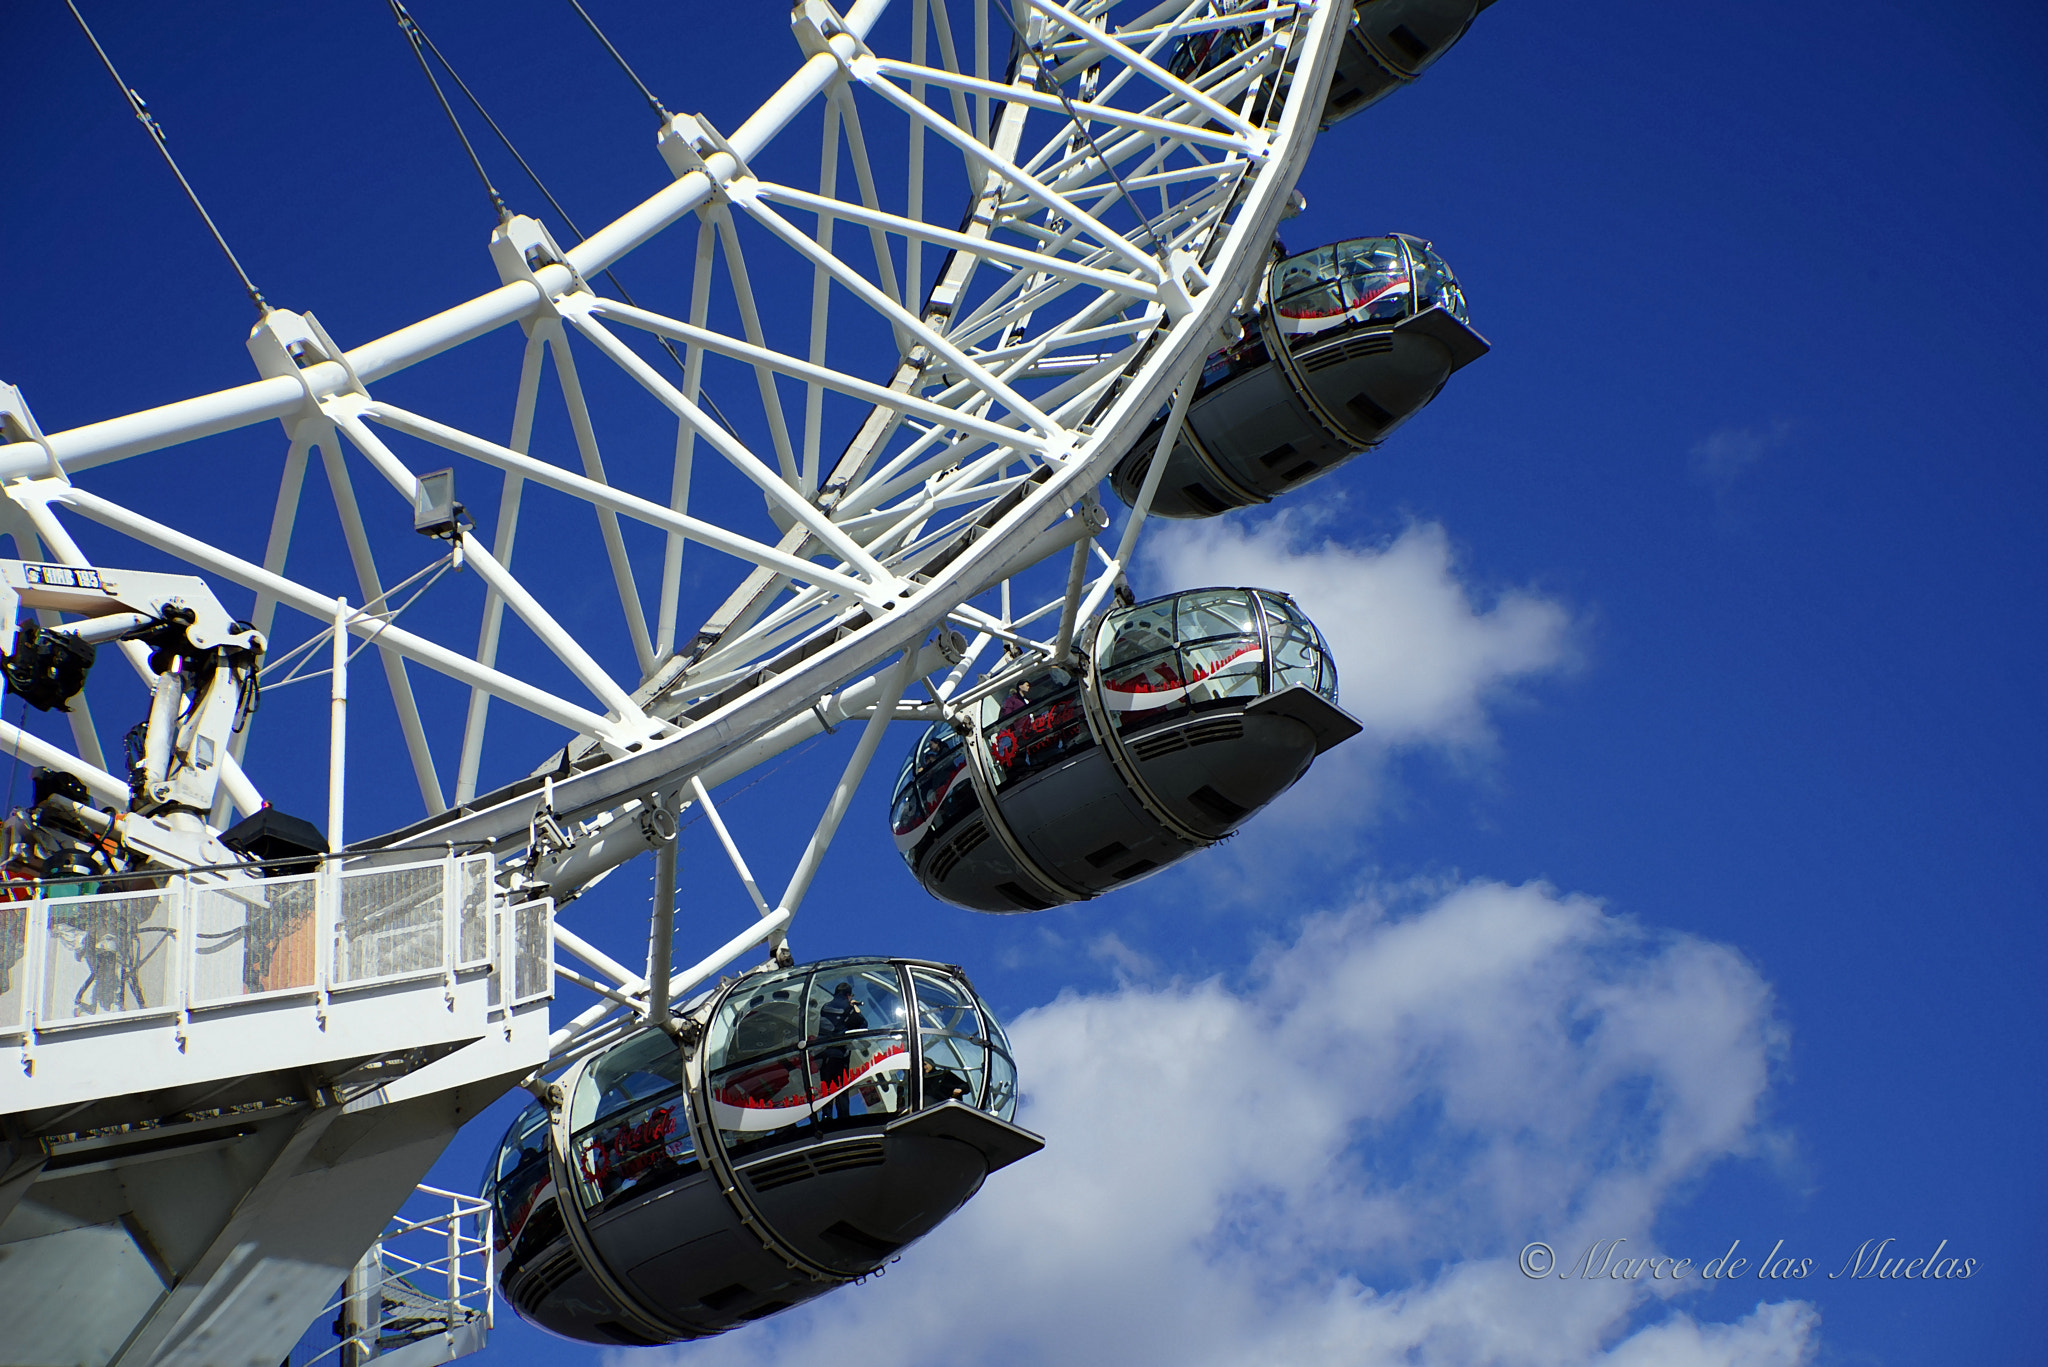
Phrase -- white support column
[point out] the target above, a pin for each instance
(743, 460)
(578, 720)
(893, 686)
(524, 605)
(942, 346)
(337, 728)
(686, 445)
(568, 939)
(655, 514)
(732, 850)
(821, 291)
(494, 607)
(1016, 176)
(750, 323)
(661, 932)
(371, 584)
(1168, 436)
(1077, 569)
(593, 468)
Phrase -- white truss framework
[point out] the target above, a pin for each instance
(933, 427)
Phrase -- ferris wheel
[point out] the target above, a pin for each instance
(877, 440)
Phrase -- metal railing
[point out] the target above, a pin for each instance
(200, 941)
(424, 1293)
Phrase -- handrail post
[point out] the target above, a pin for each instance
(359, 1321)
(329, 928)
(487, 1233)
(454, 1261)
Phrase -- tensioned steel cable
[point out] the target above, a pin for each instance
(418, 36)
(415, 38)
(1047, 85)
(617, 56)
(156, 135)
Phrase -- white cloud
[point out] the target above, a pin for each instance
(1719, 458)
(1416, 659)
(1339, 1161)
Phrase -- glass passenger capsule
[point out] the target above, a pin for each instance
(1192, 712)
(1349, 341)
(1391, 42)
(827, 1116)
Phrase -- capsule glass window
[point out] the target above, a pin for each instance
(1434, 283)
(950, 1036)
(1377, 279)
(1222, 655)
(756, 1065)
(933, 790)
(1308, 285)
(1216, 654)
(1298, 651)
(520, 1172)
(859, 1045)
(1137, 634)
(628, 1124)
(999, 1095)
(1034, 724)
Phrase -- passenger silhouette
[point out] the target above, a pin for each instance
(943, 1084)
(836, 1019)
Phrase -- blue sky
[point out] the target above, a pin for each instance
(1681, 889)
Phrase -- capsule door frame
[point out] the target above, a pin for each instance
(704, 1129)
(1107, 734)
(1244, 494)
(711, 1152)
(1120, 757)
(981, 773)
(1290, 365)
(569, 1195)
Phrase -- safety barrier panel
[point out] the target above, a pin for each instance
(201, 941)
(106, 990)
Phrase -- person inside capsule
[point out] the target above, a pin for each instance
(834, 1059)
(1038, 723)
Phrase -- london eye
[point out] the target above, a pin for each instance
(878, 451)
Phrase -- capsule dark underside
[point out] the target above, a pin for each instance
(1080, 822)
(1389, 44)
(851, 1203)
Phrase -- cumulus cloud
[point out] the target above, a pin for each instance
(1338, 1160)
(1416, 657)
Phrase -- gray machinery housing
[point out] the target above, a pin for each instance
(1392, 42)
(817, 1120)
(1188, 714)
(1348, 341)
